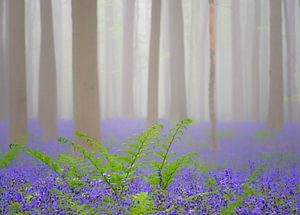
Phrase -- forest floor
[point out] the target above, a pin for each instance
(238, 142)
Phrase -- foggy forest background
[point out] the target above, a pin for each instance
(94, 60)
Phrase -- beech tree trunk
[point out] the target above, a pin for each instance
(17, 72)
(238, 108)
(212, 76)
(290, 27)
(178, 90)
(85, 75)
(276, 112)
(255, 64)
(111, 59)
(128, 62)
(47, 112)
(198, 47)
(2, 69)
(153, 72)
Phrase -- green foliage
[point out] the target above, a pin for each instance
(16, 208)
(223, 132)
(165, 171)
(39, 155)
(11, 154)
(6, 158)
(116, 170)
(143, 204)
(247, 191)
(264, 134)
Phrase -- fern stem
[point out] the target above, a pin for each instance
(169, 146)
(136, 156)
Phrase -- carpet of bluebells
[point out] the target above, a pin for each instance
(254, 171)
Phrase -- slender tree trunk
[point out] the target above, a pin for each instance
(110, 59)
(31, 13)
(255, 64)
(198, 46)
(47, 79)
(212, 76)
(238, 108)
(178, 90)
(276, 112)
(290, 29)
(153, 72)
(2, 69)
(17, 73)
(85, 75)
(127, 79)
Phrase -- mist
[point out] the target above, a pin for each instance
(114, 68)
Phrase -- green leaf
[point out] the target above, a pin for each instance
(160, 154)
(133, 145)
(130, 152)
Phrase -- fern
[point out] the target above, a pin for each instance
(116, 170)
(165, 171)
(42, 156)
(143, 204)
(107, 166)
(6, 158)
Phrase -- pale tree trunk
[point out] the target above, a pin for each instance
(128, 66)
(110, 59)
(238, 108)
(255, 64)
(17, 73)
(153, 72)
(164, 98)
(47, 111)
(32, 9)
(177, 71)
(290, 25)
(212, 76)
(85, 78)
(276, 112)
(198, 45)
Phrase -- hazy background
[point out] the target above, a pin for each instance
(242, 33)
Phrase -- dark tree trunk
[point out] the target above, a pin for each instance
(276, 112)
(85, 75)
(17, 72)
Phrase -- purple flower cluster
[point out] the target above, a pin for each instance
(37, 190)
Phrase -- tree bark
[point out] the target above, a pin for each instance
(276, 112)
(212, 76)
(177, 61)
(198, 46)
(111, 59)
(2, 69)
(128, 62)
(153, 73)
(47, 112)
(85, 76)
(238, 107)
(255, 64)
(17, 73)
(290, 29)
